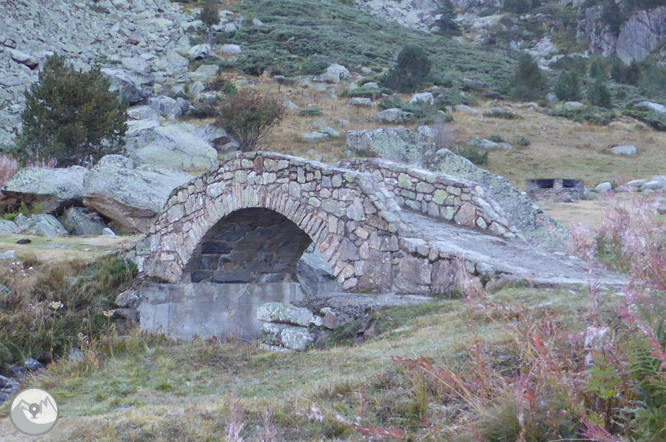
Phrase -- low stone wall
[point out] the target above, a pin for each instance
(438, 195)
(208, 309)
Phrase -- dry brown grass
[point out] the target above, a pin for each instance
(43, 249)
(559, 147)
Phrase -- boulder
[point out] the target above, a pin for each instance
(129, 299)
(573, 104)
(142, 112)
(313, 137)
(658, 108)
(424, 97)
(9, 254)
(135, 64)
(165, 106)
(176, 63)
(315, 274)
(465, 109)
(290, 105)
(8, 227)
(133, 87)
(176, 145)
(391, 143)
(80, 221)
(330, 132)
(653, 185)
(371, 85)
(334, 74)
(603, 187)
(205, 72)
(53, 189)
(129, 193)
(624, 150)
(392, 116)
(230, 50)
(215, 136)
(285, 314)
(361, 102)
(42, 225)
(200, 51)
(489, 145)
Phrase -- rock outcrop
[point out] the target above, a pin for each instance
(129, 193)
(52, 189)
(141, 37)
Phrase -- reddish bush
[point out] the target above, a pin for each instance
(249, 117)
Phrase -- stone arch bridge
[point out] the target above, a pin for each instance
(383, 227)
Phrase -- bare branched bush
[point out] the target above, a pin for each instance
(8, 168)
(445, 135)
(235, 424)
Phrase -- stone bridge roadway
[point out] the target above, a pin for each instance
(389, 228)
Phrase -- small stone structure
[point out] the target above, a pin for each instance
(555, 189)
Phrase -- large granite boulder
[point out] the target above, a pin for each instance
(391, 143)
(80, 221)
(177, 145)
(41, 225)
(53, 189)
(133, 87)
(129, 193)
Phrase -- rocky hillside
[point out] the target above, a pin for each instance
(138, 41)
(631, 30)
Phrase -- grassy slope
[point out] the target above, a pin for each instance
(154, 390)
(328, 30)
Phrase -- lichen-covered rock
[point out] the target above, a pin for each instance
(42, 225)
(391, 143)
(52, 189)
(296, 338)
(129, 193)
(177, 145)
(335, 73)
(82, 222)
(392, 116)
(285, 314)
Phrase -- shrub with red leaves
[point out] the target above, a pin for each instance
(249, 117)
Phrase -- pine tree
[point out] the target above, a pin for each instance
(529, 83)
(446, 23)
(210, 16)
(410, 71)
(568, 86)
(71, 116)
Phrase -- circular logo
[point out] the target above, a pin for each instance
(34, 412)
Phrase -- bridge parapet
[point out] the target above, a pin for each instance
(440, 196)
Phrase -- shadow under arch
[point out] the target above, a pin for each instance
(248, 245)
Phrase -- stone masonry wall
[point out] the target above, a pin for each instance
(438, 195)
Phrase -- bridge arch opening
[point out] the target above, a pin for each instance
(253, 245)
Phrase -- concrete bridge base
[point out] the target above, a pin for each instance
(209, 309)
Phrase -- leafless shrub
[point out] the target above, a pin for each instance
(8, 167)
(445, 136)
